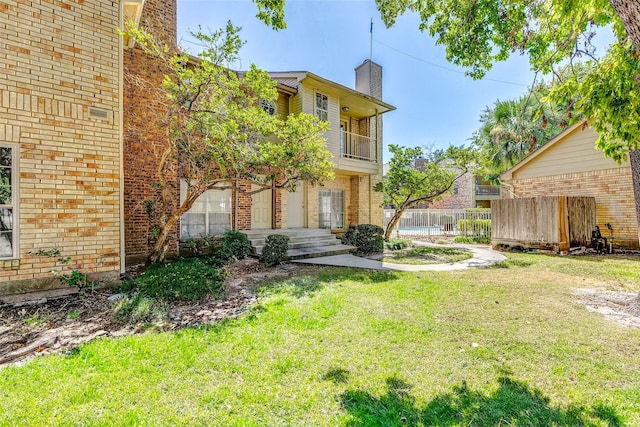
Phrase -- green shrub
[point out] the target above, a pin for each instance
(395, 244)
(184, 279)
(475, 227)
(275, 249)
(367, 238)
(199, 246)
(233, 245)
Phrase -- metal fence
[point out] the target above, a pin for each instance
(442, 223)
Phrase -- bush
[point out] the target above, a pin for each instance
(199, 246)
(475, 227)
(275, 249)
(367, 238)
(233, 245)
(185, 279)
(395, 244)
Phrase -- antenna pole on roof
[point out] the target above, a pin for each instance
(371, 40)
(370, 55)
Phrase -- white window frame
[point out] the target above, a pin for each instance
(13, 205)
(320, 112)
(207, 213)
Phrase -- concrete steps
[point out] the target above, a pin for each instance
(303, 242)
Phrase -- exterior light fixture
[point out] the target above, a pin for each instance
(345, 109)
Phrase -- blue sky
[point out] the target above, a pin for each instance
(436, 105)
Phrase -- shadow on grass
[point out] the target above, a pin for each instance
(337, 376)
(366, 276)
(308, 285)
(511, 262)
(295, 286)
(513, 404)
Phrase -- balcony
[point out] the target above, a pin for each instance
(358, 147)
(487, 190)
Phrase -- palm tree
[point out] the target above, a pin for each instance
(513, 129)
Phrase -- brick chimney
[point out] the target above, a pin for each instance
(369, 79)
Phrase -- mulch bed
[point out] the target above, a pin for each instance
(61, 324)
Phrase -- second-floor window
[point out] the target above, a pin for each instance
(322, 107)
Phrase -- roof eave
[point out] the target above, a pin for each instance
(508, 174)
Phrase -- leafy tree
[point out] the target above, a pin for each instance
(218, 134)
(271, 12)
(477, 34)
(511, 130)
(405, 186)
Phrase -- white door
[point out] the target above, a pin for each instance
(296, 207)
(261, 204)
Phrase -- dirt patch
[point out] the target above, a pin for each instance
(61, 324)
(613, 305)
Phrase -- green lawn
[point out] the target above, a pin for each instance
(506, 346)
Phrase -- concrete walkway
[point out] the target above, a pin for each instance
(483, 256)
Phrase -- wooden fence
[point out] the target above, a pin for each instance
(441, 223)
(543, 222)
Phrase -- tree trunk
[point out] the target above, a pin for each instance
(392, 223)
(634, 161)
(629, 13)
(160, 247)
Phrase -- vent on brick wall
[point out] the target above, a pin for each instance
(99, 113)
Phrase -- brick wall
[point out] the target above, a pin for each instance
(58, 59)
(145, 137)
(377, 200)
(462, 199)
(612, 189)
(243, 214)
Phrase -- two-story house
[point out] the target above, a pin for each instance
(354, 139)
